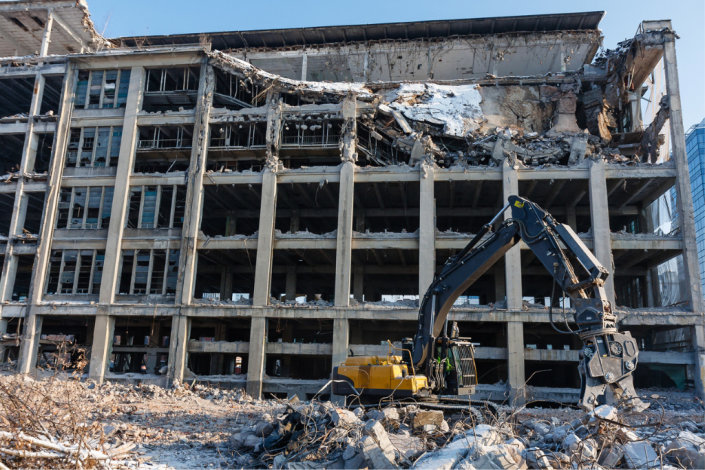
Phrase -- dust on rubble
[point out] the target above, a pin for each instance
(59, 422)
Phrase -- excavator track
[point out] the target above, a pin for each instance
(482, 410)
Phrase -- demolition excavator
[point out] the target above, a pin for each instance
(435, 363)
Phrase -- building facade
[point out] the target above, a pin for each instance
(251, 207)
(695, 147)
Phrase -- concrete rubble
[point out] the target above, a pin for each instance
(146, 426)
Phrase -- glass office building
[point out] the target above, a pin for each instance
(695, 146)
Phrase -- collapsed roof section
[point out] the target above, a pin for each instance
(556, 118)
(24, 25)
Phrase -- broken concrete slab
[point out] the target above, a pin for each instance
(688, 450)
(640, 454)
(427, 417)
(375, 430)
(374, 454)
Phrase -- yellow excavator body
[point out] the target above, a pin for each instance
(380, 375)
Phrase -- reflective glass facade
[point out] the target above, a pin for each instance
(695, 146)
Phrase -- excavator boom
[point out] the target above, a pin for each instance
(608, 358)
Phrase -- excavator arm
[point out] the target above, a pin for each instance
(608, 357)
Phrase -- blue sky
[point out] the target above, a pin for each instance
(148, 17)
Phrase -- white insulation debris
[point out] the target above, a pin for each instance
(457, 108)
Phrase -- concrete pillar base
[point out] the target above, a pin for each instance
(256, 357)
(30, 344)
(102, 344)
(341, 339)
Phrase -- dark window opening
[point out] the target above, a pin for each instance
(234, 92)
(16, 96)
(102, 89)
(11, 146)
(149, 272)
(23, 278)
(156, 206)
(140, 345)
(75, 272)
(85, 207)
(304, 276)
(171, 89)
(375, 148)
(386, 207)
(65, 342)
(42, 159)
(94, 147)
(311, 368)
(231, 209)
(52, 94)
(162, 149)
(310, 141)
(307, 207)
(226, 276)
(34, 213)
(7, 202)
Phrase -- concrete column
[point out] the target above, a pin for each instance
(188, 256)
(699, 366)
(685, 207)
(178, 348)
(343, 251)
(341, 339)
(265, 239)
(599, 215)
(121, 193)
(427, 228)
(358, 283)
(500, 284)
(290, 288)
(103, 332)
(655, 287)
(3, 330)
(649, 287)
(570, 218)
(226, 289)
(256, 356)
(29, 347)
(512, 259)
(515, 363)
(46, 36)
(684, 195)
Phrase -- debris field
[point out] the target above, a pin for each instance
(58, 421)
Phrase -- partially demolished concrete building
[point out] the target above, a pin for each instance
(251, 207)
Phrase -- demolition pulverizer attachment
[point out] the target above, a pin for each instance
(606, 366)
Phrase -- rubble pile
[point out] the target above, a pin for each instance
(44, 424)
(61, 421)
(320, 435)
